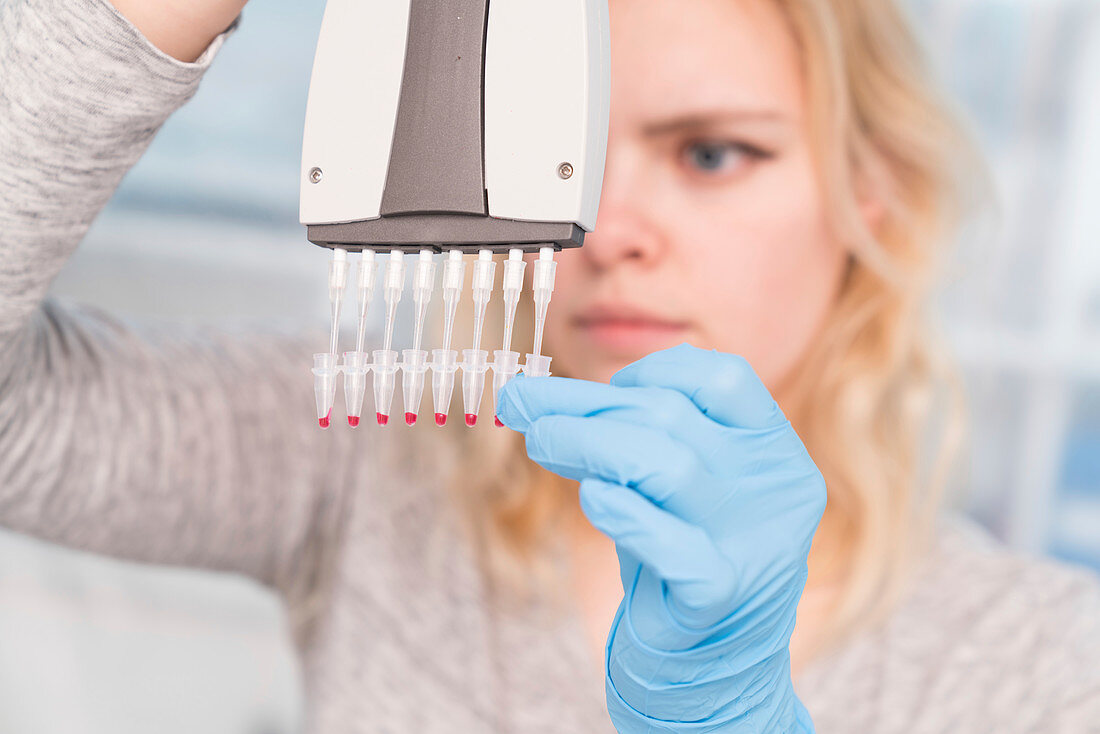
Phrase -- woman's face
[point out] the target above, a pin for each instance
(712, 228)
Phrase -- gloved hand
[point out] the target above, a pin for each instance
(688, 464)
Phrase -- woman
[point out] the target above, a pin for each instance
(779, 175)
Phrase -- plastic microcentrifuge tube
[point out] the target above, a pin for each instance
(324, 386)
(355, 384)
(413, 368)
(505, 361)
(444, 366)
(385, 369)
(475, 361)
(415, 363)
(505, 367)
(445, 360)
(542, 284)
(385, 359)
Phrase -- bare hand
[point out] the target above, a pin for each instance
(180, 28)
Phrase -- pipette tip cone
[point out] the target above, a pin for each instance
(441, 419)
(410, 419)
(497, 423)
(471, 420)
(383, 419)
(353, 421)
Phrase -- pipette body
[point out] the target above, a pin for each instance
(516, 172)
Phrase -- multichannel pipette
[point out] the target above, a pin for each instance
(473, 126)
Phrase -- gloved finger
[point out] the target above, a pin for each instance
(647, 459)
(699, 578)
(723, 386)
(523, 401)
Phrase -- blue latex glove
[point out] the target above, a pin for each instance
(688, 464)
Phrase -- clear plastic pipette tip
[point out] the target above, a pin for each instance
(415, 363)
(514, 267)
(366, 276)
(337, 282)
(475, 362)
(445, 361)
(385, 360)
(423, 284)
(542, 284)
(324, 365)
(393, 286)
(506, 362)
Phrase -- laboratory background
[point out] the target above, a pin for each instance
(204, 233)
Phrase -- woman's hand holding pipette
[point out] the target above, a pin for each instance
(688, 464)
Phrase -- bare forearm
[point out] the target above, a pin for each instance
(181, 28)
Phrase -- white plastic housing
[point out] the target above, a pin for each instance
(352, 109)
(547, 99)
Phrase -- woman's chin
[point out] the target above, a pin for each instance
(596, 355)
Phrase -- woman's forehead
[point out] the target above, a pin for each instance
(675, 56)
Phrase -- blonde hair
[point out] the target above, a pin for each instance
(869, 391)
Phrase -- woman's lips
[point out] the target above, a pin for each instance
(622, 329)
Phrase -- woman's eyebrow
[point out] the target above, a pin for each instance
(697, 120)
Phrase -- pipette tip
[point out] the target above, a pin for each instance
(471, 420)
(440, 419)
(326, 421)
(383, 419)
(410, 419)
(353, 421)
(497, 423)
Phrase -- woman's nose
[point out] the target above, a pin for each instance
(624, 233)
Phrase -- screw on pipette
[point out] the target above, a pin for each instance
(324, 365)
(445, 361)
(475, 361)
(505, 361)
(415, 363)
(357, 363)
(385, 359)
(542, 284)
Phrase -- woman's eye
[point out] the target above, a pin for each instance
(718, 157)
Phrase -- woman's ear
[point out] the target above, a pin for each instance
(872, 188)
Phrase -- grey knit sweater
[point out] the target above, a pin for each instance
(200, 450)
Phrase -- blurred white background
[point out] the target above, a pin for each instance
(204, 231)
